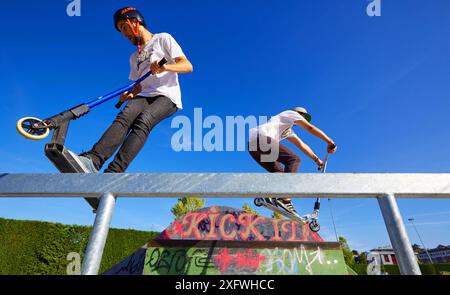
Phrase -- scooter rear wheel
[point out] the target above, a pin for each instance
(258, 202)
(25, 127)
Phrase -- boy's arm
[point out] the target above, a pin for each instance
(305, 149)
(181, 65)
(318, 133)
(137, 89)
(131, 94)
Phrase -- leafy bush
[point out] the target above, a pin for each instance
(34, 247)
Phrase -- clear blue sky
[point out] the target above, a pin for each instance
(378, 86)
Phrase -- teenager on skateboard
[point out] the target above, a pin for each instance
(153, 100)
(266, 149)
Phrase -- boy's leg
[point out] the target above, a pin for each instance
(158, 108)
(291, 163)
(272, 167)
(116, 133)
(290, 160)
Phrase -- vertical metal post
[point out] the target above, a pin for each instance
(97, 239)
(399, 238)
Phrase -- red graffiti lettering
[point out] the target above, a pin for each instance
(195, 219)
(177, 228)
(248, 259)
(223, 233)
(305, 231)
(213, 215)
(223, 259)
(250, 226)
(286, 230)
(276, 234)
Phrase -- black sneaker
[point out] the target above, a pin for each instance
(287, 205)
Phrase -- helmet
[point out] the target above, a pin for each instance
(303, 112)
(128, 13)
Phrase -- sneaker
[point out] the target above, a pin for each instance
(270, 201)
(287, 205)
(88, 164)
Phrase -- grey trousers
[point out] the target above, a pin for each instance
(130, 131)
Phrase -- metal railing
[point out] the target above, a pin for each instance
(107, 187)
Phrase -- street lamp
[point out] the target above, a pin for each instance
(426, 250)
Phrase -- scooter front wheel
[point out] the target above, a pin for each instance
(314, 226)
(32, 128)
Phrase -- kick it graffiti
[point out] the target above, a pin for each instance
(237, 225)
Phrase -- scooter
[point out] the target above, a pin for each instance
(312, 219)
(37, 129)
(62, 158)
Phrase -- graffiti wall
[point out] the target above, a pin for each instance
(217, 258)
(224, 240)
(225, 223)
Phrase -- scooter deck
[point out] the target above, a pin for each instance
(67, 162)
(283, 212)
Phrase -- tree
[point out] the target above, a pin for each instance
(363, 258)
(348, 254)
(246, 207)
(277, 215)
(186, 205)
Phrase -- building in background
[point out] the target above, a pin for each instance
(386, 254)
(440, 254)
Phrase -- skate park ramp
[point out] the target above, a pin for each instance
(224, 240)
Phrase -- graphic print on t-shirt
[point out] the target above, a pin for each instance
(144, 56)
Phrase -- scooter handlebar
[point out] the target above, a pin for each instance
(160, 63)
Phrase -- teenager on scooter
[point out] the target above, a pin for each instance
(153, 100)
(267, 151)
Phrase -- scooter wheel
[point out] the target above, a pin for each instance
(25, 127)
(258, 202)
(314, 226)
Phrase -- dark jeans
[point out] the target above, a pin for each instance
(286, 157)
(130, 131)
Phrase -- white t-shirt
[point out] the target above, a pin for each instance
(166, 83)
(279, 127)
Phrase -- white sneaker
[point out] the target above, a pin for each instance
(287, 205)
(88, 164)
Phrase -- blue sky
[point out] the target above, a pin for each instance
(378, 86)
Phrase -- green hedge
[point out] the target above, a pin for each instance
(34, 247)
(426, 269)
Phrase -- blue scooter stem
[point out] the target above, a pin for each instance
(323, 170)
(111, 95)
